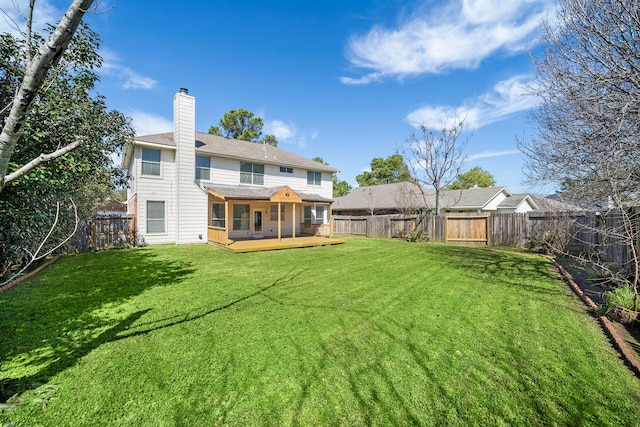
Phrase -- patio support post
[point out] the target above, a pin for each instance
(279, 223)
(293, 222)
(331, 221)
(226, 223)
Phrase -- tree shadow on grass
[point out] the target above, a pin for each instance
(52, 320)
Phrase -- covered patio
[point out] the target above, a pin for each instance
(260, 219)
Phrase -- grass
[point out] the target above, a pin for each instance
(372, 332)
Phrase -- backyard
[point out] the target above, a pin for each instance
(371, 332)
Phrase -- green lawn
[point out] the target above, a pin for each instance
(372, 332)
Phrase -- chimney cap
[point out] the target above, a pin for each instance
(184, 90)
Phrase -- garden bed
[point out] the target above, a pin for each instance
(588, 281)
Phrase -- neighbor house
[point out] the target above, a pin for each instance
(407, 197)
(192, 187)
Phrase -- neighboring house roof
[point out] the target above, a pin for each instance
(547, 204)
(399, 195)
(237, 149)
(239, 193)
(517, 200)
(409, 195)
(472, 198)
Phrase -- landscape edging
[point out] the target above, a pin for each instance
(29, 274)
(608, 327)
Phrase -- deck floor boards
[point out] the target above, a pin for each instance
(268, 244)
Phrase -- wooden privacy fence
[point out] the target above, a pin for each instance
(606, 235)
(101, 232)
(499, 229)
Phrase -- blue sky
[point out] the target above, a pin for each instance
(344, 80)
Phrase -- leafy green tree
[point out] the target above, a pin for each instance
(242, 124)
(270, 140)
(474, 177)
(385, 171)
(37, 65)
(341, 187)
(65, 109)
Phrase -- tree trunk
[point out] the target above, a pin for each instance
(46, 57)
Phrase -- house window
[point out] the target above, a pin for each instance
(155, 217)
(150, 162)
(203, 168)
(240, 217)
(318, 214)
(217, 215)
(286, 170)
(251, 173)
(314, 178)
(274, 212)
(322, 214)
(308, 217)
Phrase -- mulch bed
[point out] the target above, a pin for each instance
(625, 338)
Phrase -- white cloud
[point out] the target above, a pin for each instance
(370, 78)
(507, 97)
(459, 35)
(13, 15)
(149, 124)
(487, 155)
(280, 129)
(129, 79)
(287, 133)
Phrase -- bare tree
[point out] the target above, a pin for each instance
(436, 156)
(589, 116)
(37, 68)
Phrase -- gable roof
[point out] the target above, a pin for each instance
(471, 198)
(517, 200)
(238, 149)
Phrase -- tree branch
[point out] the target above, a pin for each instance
(41, 159)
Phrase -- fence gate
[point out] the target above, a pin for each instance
(109, 232)
(467, 228)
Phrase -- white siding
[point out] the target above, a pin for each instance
(495, 202)
(156, 189)
(191, 206)
(226, 172)
(523, 207)
(131, 185)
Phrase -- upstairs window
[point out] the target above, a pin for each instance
(251, 173)
(285, 170)
(203, 168)
(150, 162)
(314, 178)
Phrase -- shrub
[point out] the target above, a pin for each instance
(622, 297)
(548, 242)
(417, 236)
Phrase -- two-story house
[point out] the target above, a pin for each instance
(191, 187)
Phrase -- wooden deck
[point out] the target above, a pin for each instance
(272, 243)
